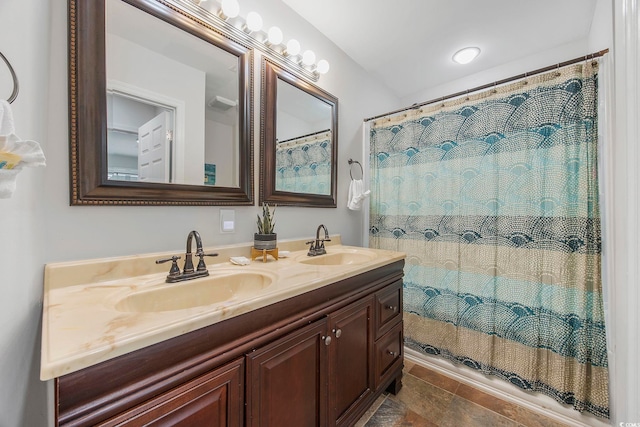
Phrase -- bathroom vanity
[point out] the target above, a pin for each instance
(313, 344)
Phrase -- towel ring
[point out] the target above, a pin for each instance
(16, 86)
(351, 162)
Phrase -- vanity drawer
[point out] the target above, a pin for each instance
(388, 307)
(388, 353)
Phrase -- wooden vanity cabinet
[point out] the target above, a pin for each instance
(214, 399)
(316, 359)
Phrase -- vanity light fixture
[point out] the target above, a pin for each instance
(229, 9)
(308, 57)
(274, 36)
(323, 66)
(250, 30)
(466, 55)
(293, 48)
(254, 22)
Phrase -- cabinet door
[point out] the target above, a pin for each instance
(351, 375)
(286, 380)
(214, 399)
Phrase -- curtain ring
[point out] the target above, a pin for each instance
(351, 162)
(16, 86)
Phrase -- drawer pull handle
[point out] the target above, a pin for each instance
(392, 353)
(327, 340)
(391, 307)
(337, 332)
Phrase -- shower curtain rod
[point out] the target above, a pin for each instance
(496, 83)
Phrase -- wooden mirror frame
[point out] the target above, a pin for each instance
(88, 114)
(268, 115)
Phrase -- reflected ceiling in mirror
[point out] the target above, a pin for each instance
(298, 141)
(162, 105)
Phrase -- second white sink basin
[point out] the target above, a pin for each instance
(216, 288)
(339, 258)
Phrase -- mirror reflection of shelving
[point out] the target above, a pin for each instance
(139, 135)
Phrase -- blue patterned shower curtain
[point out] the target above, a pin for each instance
(303, 165)
(494, 199)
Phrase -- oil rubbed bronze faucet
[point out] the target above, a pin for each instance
(188, 271)
(317, 246)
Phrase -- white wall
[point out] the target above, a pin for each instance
(625, 295)
(24, 34)
(221, 147)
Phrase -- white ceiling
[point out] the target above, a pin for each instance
(408, 44)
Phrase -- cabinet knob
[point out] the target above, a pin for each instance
(391, 307)
(327, 340)
(337, 332)
(392, 353)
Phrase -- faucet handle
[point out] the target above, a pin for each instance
(174, 270)
(201, 265)
(312, 248)
(173, 258)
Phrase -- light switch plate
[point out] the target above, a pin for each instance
(227, 220)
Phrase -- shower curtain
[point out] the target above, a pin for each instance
(494, 199)
(303, 165)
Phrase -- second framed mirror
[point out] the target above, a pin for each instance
(298, 141)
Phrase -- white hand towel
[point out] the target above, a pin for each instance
(6, 118)
(14, 153)
(357, 194)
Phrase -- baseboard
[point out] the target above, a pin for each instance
(535, 402)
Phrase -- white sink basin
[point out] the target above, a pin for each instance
(216, 288)
(339, 258)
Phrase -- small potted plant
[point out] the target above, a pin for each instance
(265, 238)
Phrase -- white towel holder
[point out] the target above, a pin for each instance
(16, 86)
(351, 162)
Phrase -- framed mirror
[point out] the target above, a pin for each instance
(298, 141)
(160, 107)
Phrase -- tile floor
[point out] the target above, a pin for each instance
(431, 399)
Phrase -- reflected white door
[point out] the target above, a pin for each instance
(154, 150)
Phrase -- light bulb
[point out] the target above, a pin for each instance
(308, 57)
(323, 66)
(293, 47)
(254, 21)
(274, 35)
(466, 55)
(230, 8)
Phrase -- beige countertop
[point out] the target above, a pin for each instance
(85, 321)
